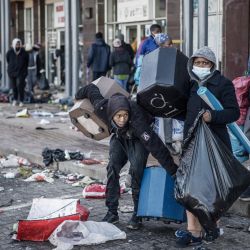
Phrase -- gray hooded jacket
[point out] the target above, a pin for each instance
(206, 53)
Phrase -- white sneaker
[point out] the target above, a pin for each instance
(20, 104)
(14, 103)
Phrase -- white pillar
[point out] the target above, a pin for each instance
(202, 23)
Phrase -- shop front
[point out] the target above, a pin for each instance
(133, 19)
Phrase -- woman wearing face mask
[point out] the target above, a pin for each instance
(202, 71)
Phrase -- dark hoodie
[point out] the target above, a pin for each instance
(98, 56)
(139, 126)
(17, 61)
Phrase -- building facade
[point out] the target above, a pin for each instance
(43, 21)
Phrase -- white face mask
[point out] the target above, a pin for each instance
(202, 73)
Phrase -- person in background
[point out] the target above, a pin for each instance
(150, 44)
(18, 60)
(98, 57)
(161, 40)
(127, 47)
(202, 71)
(121, 62)
(33, 67)
(132, 140)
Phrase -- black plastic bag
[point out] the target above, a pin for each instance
(43, 82)
(209, 178)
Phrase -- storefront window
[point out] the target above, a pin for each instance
(50, 16)
(112, 10)
(160, 8)
(28, 26)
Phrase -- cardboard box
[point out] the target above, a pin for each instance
(82, 113)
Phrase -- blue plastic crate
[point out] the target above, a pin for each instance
(157, 196)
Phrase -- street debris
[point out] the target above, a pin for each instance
(13, 161)
(40, 113)
(23, 113)
(46, 215)
(41, 128)
(44, 122)
(71, 233)
(50, 155)
(96, 191)
(40, 177)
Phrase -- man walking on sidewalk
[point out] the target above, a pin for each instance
(17, 59)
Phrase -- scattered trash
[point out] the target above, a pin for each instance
(23, 161)
(41, 113)
(127, 209)
(40, 177)
(62, 114)
(85, 181)
(71, 233)
(1, 189)
(23, 113)
(41, 128)
(46, 215)
(44, 122)
(10, 175)
(50, 155)
(94, 191)
(10, 162)
(13, 161)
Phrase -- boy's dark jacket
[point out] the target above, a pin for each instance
(140, 125)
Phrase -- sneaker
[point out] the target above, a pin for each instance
(135, 222)
(186, 239)
(246, 195)
(111, 218)
(14, 103)
(211, 236)
(21, 104)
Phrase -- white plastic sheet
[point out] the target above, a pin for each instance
(71, 233)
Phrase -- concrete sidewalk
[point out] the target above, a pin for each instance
(19, 136)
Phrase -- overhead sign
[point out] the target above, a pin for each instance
(59, 15)
(131, 10)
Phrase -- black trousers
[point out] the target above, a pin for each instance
(123, 150)
(18, 85)
(96, 74)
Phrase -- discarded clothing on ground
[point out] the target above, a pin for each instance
(46, 215)
(71, 233)
(209, 178)
(50, 155)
